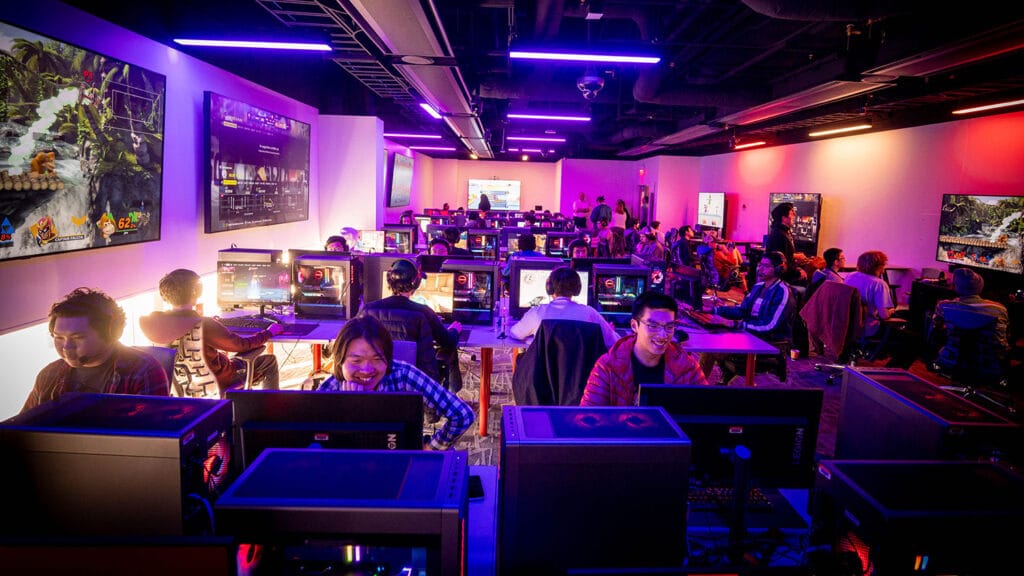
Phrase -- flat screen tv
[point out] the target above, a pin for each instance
(779, 426)
(302, 419)
(257, 166)
(711, 210)
(83, 148)
(807, 224)
(982, 231)
(400, 181)
(503, 194)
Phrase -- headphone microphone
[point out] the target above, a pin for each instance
(85, 359)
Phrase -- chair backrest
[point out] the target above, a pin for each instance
(970, 351)
(834, 316)
(405, 351)
(190, 368)
(555, 367)
(165, 356)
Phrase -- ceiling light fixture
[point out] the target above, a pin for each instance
(534, 150)
(421, 136)
(535, 139)
(748, 145)
(434, 148)
(525, 157)
(553, 117)
(579, 57)
(988, 107)
(842, 130)
(474, 156)
(306, 46)
(431, 110)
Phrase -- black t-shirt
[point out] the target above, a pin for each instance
(92, 379)
(648, 374)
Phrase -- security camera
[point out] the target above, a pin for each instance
(590, 86)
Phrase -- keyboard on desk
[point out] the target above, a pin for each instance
(708, 321)
(255, 323)
(718, 498)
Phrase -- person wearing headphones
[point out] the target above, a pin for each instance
(562, 285)
(767, 310)
(85, 327)
(415, 322)
(181, 289)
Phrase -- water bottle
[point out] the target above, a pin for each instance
(503, 317)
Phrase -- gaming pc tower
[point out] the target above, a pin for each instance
(891, 414)
(917, 517)
(115, 465)
(591, 489)
(306, 507)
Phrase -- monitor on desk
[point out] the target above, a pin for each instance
(557, 244)
(369, 242)
(400, 238)
(437, 292)
(541, 239)
(252, 278)
(616, 287)
(483, 242)
(322, 283)
(528, 284)
(778, 425)
(437, 231)
(303, 419)
(476, 283)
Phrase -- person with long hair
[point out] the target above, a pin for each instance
(363, 355)
(619, 215)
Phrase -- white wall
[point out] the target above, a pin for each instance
(351, 174)
(125, 270)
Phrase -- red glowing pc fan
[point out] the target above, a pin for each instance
(852, 545)
(216, 465)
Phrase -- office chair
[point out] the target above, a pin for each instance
(554, 369)
(165, 356)
(970, 357)
(192, 376)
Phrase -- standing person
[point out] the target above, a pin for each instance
(363, 355)
(650, 356)
(85, 327)
(780, 239)
(620, 216)
(874, 292)
(485, 203)
(580, 211)
(645, 210)
(600, 212)
(181, 289)
(415, 322)
(562, 285)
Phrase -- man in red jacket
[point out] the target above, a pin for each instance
(651, 356)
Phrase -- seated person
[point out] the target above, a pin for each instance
(181, 289)
(438, 247)
(336, 244)
(874, 292)
(452, 235)
(527, 249)
(364, 361)
(651, 356)
(728, 261)
(649, 248)
(834, 262)
(766, 311)
(415, 322)
(85, 327)
(682, 252)
(563, 283)
(579, 248)
(988, 352)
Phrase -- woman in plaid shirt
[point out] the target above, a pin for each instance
(364, 361)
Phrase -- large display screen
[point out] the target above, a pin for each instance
(982, 231)
(400, 186)
(711, 210)
(257, 166)
(502, 194)
(83, 146)
(808, 214)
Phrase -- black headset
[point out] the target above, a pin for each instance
(404, 272)
(780, 269)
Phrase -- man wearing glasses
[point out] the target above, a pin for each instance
(650, 356)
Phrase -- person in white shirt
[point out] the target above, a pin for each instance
(874, 292)
(562, 285)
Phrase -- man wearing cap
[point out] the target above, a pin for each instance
(990, 345)
(780, 239)
(415, 322)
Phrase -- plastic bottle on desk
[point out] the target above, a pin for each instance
(503, 317)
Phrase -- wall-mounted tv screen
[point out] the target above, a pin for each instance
(502, 194)
(257, 166)
(982, 231)
(400, 183)
(808, 218)
(711, 210)
(83, 148)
